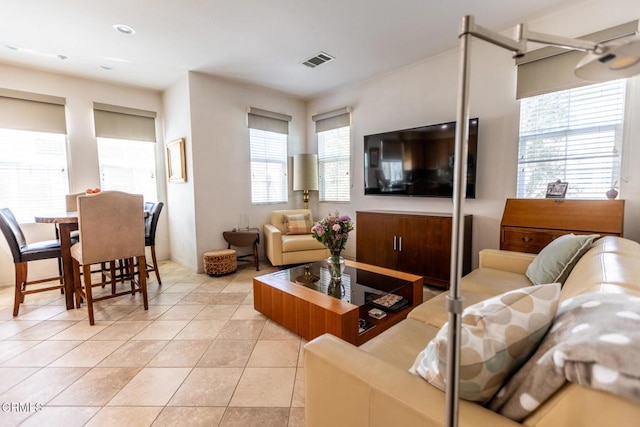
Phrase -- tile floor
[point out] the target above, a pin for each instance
(199, 356)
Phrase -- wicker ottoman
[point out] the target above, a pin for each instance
(220, 262)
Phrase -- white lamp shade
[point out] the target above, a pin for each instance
(305, 172)
(621, 60)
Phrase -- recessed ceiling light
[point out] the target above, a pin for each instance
(106, 67)
(124, 29)
(63, 57)
(12, 47)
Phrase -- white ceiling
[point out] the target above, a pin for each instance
(258, 41)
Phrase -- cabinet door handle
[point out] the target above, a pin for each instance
(400, 244)
(395, 243)
(526, 239)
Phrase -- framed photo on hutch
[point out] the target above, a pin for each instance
(176, 162)
(556, 190)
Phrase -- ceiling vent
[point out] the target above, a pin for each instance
(319, 59)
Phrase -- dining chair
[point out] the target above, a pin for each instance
(150, 227)
(111, 225)
(71, 201)
(24, 253)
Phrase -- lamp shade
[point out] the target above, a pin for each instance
(305, 172)
(620, 60)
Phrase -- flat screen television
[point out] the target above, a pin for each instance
(417, 162)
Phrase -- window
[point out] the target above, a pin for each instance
(126, 149)
(33, 172)
(268, 166)
(334, 154)
(333, 165)
(128, 166)
(573, 135)
(268, 135)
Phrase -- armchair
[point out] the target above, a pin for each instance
(285, 244)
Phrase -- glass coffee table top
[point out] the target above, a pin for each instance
(361, 287)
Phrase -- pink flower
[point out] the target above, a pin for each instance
(336, 227)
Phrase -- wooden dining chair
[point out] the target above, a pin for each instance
(24, 253)
(150, 227)
(111, 225)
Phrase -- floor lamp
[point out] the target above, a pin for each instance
(603, 62)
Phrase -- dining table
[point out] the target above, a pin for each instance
(67, 222)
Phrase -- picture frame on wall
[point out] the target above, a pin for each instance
(557, 190)
(176, 161)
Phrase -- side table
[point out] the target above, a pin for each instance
(240, 238)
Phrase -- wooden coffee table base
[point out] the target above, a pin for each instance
(310, 313)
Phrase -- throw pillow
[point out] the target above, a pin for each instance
(556, 260)
(299, 223)
(497, 337)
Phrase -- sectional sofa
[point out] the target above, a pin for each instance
(371, 385)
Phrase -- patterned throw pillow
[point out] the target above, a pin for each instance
(299, 224)
(556, 260)
(497, 336)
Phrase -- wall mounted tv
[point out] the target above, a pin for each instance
(417, 162)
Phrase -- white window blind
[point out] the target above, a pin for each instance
(268, 166)
(129, 166)
(33, 173)
(268, 134)
(333, 164)
(573, 135)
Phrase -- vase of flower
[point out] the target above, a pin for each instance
(333, 232)
(335, 265)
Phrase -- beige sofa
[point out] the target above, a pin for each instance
(284, 249)
(371, 385)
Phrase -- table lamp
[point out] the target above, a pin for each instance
(305, 175)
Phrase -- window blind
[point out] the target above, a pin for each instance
(32, 112)
(334, 154)
(33, 173)
(268, 121)
(112, 121)
(268, 134)
(573, 135)
(268, 166)
(129, 166)
(333, 119)
(333, 165)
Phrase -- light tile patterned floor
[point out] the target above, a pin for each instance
(200, 356)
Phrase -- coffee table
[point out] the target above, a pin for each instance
(306, 309)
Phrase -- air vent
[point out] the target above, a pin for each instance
(319, 59)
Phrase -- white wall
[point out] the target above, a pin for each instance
(426, 93)
(180, 196)
(218, 151)
(83, 152)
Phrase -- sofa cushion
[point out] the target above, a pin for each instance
(493, 281)
(399, 344)
(556, 260)
(497, 336)
(434, 311)
(594, 341)
(299, 223)
(300, 242)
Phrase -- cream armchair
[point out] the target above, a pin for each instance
(283, 247)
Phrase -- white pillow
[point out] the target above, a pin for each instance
(497, 336)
